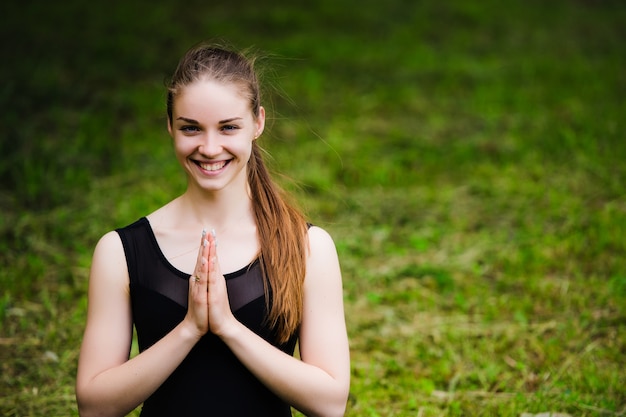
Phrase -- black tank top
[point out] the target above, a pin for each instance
(210, 381)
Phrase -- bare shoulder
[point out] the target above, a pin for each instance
(109, 259)
(109, 244)
(320, 241)
(322, 260)
(110, 240)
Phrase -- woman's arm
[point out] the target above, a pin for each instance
(108, 383)
(319, 383)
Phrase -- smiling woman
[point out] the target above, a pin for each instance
(217, 328)
(213, 130)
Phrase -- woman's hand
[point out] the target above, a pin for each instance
(221, 318)
(197, 313)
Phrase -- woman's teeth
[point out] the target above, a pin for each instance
(215, 166)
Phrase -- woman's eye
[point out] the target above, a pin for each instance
(189, 129)
(229, 128)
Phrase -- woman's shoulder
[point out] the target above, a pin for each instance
(321, 243)
(323, 272)
(317, 234)
(112, 242)
(109, 260)
(109, 244)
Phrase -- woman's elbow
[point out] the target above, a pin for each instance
(93, 410)
(87, 407)
(333, 407)
(330, 409)
(337, 410)
(84, 409)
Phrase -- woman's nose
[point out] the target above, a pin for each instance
(211, 145)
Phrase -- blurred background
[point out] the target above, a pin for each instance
(467, 157)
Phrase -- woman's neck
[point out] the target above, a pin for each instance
(217, 210)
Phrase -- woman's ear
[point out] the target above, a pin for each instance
(260, 122)
(169, 127)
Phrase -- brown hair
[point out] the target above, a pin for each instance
(281, 228)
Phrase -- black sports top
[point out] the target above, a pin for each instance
(210, 381)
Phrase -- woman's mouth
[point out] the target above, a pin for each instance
(212, 166)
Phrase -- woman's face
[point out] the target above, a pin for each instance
(213, 128)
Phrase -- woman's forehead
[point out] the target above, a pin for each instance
(210, 97)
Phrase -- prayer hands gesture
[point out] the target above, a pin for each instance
(208, 307)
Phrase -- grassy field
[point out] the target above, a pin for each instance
(467, 157)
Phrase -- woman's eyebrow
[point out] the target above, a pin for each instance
(195, 122)
(190, 121)
(230, 120)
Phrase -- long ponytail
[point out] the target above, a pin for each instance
(282, 233)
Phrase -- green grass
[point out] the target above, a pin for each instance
(466, 156)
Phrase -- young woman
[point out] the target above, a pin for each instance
(217, 324)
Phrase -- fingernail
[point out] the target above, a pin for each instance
(203, 232)
(213, 232)
(204, 243)
(203, 261)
